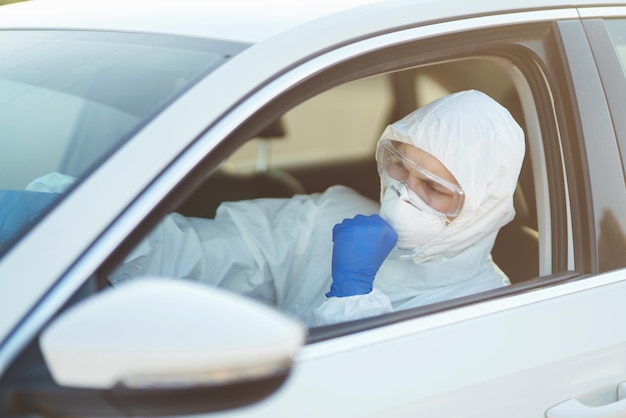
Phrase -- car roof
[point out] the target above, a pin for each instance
(247, 20)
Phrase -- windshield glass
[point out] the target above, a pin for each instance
(68, 99)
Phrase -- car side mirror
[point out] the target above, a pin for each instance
(162, 347)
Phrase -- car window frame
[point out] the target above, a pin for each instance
(348, 70)
(610, 234)
(588, 78)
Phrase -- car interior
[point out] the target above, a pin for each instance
(330, 139)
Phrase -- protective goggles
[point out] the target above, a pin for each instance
(414, 183)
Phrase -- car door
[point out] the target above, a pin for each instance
(549, 344)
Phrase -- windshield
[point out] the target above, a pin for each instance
(68, 99)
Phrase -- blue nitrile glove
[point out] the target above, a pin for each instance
(18, 209)
(361, 244)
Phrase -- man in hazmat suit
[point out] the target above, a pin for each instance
(448, 173)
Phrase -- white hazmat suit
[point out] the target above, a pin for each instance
(279, 250)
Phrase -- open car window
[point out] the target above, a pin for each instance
(243, 221)
(223, 235)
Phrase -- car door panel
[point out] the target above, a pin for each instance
(485, 360)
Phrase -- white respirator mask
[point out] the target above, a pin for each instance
(414, 226)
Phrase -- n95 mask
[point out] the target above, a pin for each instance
(415, 227)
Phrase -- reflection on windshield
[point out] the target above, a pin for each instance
(70, 99)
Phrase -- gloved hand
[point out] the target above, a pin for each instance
(361, 244)
(18, 209)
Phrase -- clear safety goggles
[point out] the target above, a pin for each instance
(415, 184)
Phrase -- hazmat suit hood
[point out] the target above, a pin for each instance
(481, 144)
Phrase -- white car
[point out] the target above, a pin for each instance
(161, 106)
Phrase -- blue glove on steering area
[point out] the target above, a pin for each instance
(18, 210)
(361, 244)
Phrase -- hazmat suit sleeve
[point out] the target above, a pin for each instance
(277, 251)
(205, 250)
(336, 309)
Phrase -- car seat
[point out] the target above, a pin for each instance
(223, 186)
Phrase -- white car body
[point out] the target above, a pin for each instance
(515, 354)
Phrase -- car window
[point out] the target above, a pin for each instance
(325, 142)
(68, 99)
(347, 117)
